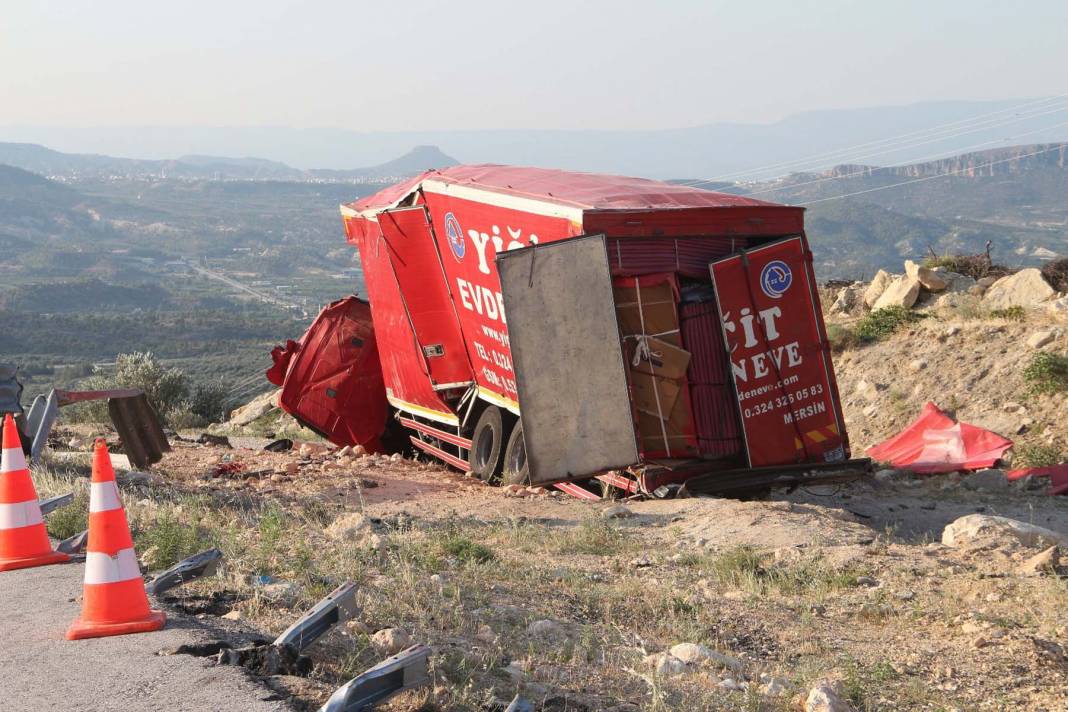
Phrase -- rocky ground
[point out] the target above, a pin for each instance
(891, 593)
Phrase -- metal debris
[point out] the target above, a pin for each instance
(405, 670)
(519, 704)
(74, 545)
(197, 566)
(339, 605)
(54, 503)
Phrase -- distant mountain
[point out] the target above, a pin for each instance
(703, 151)
(412, 163)
(80, 166)
(860, 217)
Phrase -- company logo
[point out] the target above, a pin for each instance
(775, 278)
(455, 235)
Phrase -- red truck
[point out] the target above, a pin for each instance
(543, 326)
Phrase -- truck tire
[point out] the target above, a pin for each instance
(516, 471)
(487, 444)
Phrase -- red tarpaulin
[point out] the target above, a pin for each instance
(1057, 474)
(934, 443)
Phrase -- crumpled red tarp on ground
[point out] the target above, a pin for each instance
(1057, 474)
(935, 443)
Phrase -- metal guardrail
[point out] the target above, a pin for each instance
(197, 566)
(53, 503)
(519, 704)
(339, 605)
(406, 670)
(72, 546)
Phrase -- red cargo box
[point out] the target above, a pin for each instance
(504, 304)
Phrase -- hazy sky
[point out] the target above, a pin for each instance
(542, 64)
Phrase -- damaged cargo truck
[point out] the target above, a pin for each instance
(542, 326)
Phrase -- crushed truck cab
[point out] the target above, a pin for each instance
(544, 326)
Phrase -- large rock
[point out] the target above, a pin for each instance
(255, 408)
(847, 299)
(1025, 289)
(1058, 309)
(878, 285)
(902, 292)
(391, 640)
(982, 529)
(932, 281)
(825, 697)
(695, 654)
(958, 282)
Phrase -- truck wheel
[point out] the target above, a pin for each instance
(516, 471)
(486, 445)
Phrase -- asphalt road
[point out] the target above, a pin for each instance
(40, 670)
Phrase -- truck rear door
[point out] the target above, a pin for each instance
(567, 358)
(425, 292)
(780, 363)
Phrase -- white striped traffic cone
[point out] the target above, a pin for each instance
(24, 539)
(114, 600)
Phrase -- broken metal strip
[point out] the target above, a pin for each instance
(439, 453)
(197, 566)
(617, 480)
(576, 491)
(53, 503)
(430, 430)
(405, 670)
(338, 606)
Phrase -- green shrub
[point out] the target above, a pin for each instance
(167, 389)
(1036, 455)
(1014, 313)
(842, 338)
(466, 550)
(1047, 373)
(67, 521)
(166, 540)
(974, 266)
(884, 322)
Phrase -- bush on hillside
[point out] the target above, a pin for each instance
(1047, 373)
(974, 266)
(1056, 274)
(881, 323)
(167, 389)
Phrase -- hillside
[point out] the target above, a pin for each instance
(865, 217)
(79, 166)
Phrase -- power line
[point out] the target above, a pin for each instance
(837, 153)
(1058, 147)
(875, 169)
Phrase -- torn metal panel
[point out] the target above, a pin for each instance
(197, 566)
(10, 389)
(405, 670)
(39, 422)
(749, 481)
(339, 605)
(139, 428)
(567, 357)
(74, 545)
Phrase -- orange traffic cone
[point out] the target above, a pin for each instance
(114, 601)
(23, 538)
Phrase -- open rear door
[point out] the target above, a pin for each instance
(567, 357)
(424, 290)
(780, 361)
